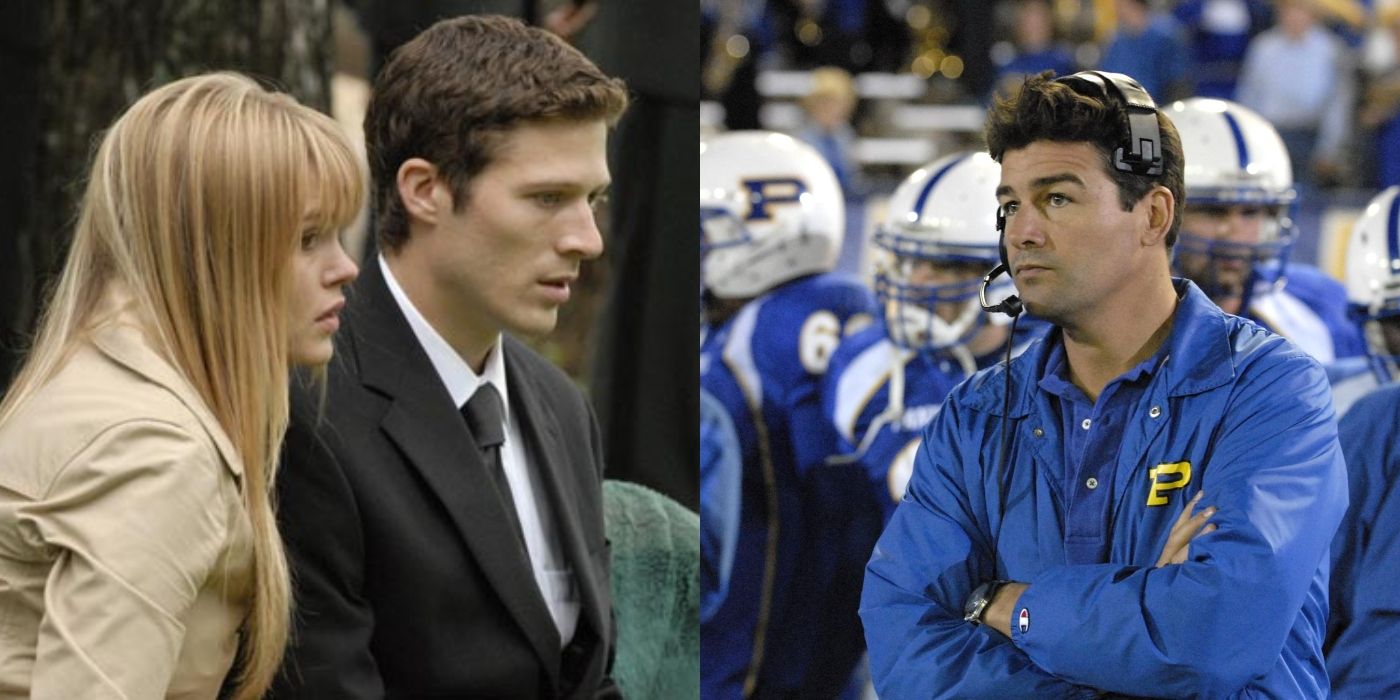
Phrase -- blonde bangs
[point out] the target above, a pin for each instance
(333, 175)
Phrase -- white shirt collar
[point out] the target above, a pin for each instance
(456, 374)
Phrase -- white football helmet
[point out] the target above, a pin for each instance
(1373, 270)
(944, 213)
(1233, 156)
(770, 211)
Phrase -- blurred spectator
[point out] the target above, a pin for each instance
(1149, 47)
(968, 23)
(829, 107)
(1348, 19)
(1219, 32)
(734, 35)
(858, 35)
(1033, 31)
(1300, 77)
(1380, 109)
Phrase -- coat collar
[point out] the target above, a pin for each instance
(122, 337)
(1199, 358)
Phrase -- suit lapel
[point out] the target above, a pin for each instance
(422, 421)
(539, 429)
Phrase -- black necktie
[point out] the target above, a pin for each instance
(483, 415)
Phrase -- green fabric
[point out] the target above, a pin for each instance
(656, 592)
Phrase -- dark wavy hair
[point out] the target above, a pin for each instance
(1046, 110)
(451, 95)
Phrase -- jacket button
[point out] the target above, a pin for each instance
(1038, 432)
(1156, 411)
(1092, 483)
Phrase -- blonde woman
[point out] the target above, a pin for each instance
(139, 555)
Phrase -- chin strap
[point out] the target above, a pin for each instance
(964, 358)
(894, 410)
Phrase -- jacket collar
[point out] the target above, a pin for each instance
(121, 336)
(1198, 357)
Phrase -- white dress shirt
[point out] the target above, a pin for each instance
(552, 571)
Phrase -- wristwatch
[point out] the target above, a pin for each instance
(979, 600)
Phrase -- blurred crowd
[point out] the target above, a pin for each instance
(880, 87)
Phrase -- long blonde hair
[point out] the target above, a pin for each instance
(195, 205)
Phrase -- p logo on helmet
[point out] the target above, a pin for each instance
(1165, 479)
(766, 193)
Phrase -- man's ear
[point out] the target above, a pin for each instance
(1161, 209)
(419, 189)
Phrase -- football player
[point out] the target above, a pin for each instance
(1237, 230)
(1364, 600)
(888, 381)
(1373, 295)
(772, 221)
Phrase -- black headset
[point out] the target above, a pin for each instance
(1141, 154)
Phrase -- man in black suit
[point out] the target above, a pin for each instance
(441, 503)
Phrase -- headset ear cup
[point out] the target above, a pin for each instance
(1141, 151)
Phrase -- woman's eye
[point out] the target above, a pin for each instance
(1057, 200)
(549, 199)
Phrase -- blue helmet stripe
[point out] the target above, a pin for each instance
(928, 187)
(1240, 149)
(1392, 231)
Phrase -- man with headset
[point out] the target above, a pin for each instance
(1141, 502)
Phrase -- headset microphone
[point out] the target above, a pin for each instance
(1011, 306)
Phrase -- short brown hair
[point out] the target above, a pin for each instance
(1047, 110)
(450, 94)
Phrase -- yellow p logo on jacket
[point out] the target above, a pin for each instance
(1167, 477)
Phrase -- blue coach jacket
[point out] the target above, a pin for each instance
(1234, 410)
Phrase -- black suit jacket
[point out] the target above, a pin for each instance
(395, 534)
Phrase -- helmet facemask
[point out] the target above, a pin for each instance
(1380, 324)
(1241, 250)
(720, 228)
(1373, 281)
(929, 290)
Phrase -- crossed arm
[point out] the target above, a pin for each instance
(1189, 525)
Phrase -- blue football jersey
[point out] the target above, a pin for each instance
(858, 394)
(720, 478)
(788, 624)
(1311, 311)
(1353, 378)
(1365, 602)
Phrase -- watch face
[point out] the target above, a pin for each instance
(972, 610)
